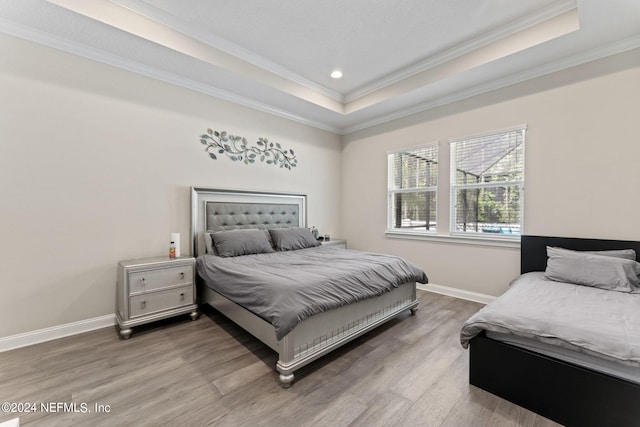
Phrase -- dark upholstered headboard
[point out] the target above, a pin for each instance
(533, 249)
(218, 210)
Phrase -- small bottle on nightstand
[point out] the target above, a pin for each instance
(172, 250)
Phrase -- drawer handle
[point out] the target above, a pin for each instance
(182, 275)
(143, 304)
(144, 282)
(182, 296)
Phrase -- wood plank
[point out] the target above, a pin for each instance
(384, 410)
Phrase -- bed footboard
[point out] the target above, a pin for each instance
(326, 331)
(321, 333)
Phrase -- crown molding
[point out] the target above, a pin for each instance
(457, 51)
(143, 8)
(151, 12)
(82, 50)
(572, 61)
(37, 36)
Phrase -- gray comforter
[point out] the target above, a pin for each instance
(285, 288)
(596, 321)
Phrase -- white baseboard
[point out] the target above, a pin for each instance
(457, 293)
(60, 331)
(41, 335)
(11, 423)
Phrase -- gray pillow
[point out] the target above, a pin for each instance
(588, 269)
(241, 242)
(290, 239)
(209, 245)
(618, 253)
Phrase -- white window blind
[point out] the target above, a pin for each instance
(487, 181)
(412, 189)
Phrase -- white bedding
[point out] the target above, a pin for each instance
(598, 322)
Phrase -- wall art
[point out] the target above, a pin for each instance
(238, 149)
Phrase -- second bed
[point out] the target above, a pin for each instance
(564, 339)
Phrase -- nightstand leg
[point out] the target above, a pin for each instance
(125, 333)
(195, 314)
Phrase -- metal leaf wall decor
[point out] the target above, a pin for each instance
(239, 150)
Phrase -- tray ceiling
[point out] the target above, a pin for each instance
(397, 57)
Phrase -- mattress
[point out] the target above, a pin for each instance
(590, 326)
(284, 288)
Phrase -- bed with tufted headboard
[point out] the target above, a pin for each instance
(216, 211)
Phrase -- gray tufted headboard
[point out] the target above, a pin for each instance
(228, 216)
(216, 210)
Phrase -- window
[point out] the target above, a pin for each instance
(487, 181)
(412, 189)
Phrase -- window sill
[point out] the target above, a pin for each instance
(500, 242)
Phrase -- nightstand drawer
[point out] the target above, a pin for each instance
(148, 280)
(152, 302)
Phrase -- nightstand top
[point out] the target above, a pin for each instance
(156, 260)
(334, 241)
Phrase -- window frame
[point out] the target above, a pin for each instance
(454, 188)
(392, 192)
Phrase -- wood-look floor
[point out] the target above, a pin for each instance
(411, 371)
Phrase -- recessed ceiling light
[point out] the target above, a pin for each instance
(336, 74)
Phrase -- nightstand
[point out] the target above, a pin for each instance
(339, 243)
(151, 289)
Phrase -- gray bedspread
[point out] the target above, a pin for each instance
(596, 321)
(285, 288)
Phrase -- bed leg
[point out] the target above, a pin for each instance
(286, 380)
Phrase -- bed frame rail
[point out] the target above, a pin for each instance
(563, 392)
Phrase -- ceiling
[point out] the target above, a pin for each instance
(398, 57)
